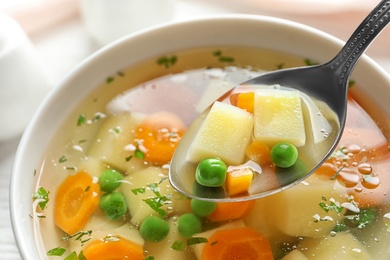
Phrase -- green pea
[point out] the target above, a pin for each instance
(154, 229)
(188, 225)
(284, 154)
(203, 208)
(211, 172)
(113, 205)
(110, 180)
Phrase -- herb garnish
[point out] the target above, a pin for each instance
(139, 154)
(332, 206)
(149, 258)
(58, 251)
(79, 236)
(156, 203)
(74, 256)
(43, 196)
(167, 61)
(310, 62)
(222, 58)
(179, 246)
(109, 80)
(138, 191)
(62, 159)
(197, 240)
(82, 119)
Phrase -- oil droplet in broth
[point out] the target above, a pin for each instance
(365, 168)
(370, 182)
(348, 177)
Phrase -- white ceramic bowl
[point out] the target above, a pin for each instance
(234, 30)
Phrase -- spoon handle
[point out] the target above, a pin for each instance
(364, 34)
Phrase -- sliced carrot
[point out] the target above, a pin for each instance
(230, 210)
(114, 249)
(159, 134)
(238, 181)
(259, 153)
(239, 244)
(76, 200)
(246, 101)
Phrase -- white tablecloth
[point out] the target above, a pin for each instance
(64, 46)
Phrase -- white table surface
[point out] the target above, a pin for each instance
(61, 48)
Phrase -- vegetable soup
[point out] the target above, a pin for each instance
(102, 189)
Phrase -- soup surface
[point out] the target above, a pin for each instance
(102, 190)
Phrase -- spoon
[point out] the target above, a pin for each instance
(327, 83)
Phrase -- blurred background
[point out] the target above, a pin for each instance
(53, 36)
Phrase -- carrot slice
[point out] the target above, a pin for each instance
(246, 101)
(114, 249)
(230, 210)
(76, 200)
(238, 244)
(238, 181)
(159, 134)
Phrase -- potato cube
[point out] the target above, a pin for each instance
(340, 246)
(278, 117)
(296, 213)
(225, 133)
(115, 134)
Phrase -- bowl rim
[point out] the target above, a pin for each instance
(20, 221)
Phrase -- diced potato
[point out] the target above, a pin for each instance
(225, 133)
(295, 255)
(340, 246)
(293, 210)
(278, 117)
(112, 139)
(257, 219)
(138, 208)
(101, 227)
(92, 166)
(198, 248)
(163, 249)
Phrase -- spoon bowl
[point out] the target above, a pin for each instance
(327, 83)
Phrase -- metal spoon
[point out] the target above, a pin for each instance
(327, 83)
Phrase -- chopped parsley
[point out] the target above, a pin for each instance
(58, 251)
(167, 61)
(351, 83)
(310, 62)
(74, 256)
(128, 158)
(331, 206)
(80, 236)
(139, 154)
(337, 173)
(156, 203)
(81, 120)
(196, 240)
(149, 258)
(42, 196)
(223, 58)
(138, 191)
(62, 159)
(179, 246)
(109, 79)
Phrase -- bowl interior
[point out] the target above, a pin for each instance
(231, 30)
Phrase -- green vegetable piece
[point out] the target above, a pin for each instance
(154, 229)
(203, 208)
(284, 154)
(211, 172)
(110, 180)
(113, 205)
(188, 225)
